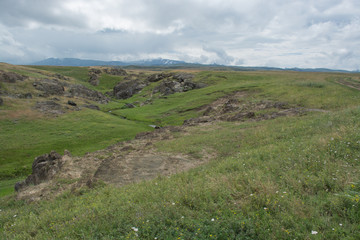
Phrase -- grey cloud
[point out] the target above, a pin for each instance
(222, 56)
(282, 33)
(21, 13)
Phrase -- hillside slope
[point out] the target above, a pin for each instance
(257, 155)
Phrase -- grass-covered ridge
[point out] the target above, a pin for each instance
(293, 177)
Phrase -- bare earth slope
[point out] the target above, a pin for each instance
(119, 164)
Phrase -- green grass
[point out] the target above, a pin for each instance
(79, 132)
(79, 73)
(280, 179)
(107, 82)
(275, 179)
(7, 186)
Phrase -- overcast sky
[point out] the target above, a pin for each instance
(276, 33)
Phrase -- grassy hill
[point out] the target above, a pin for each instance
(274, 173)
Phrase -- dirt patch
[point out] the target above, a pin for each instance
(119, 164)
(138, 166)
(349, 82)
(239, 106)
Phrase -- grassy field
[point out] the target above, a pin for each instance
(293, 177)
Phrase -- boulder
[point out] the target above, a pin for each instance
(127, 89)
(50, 87)
(72, 103)
(10, 77)
(44, 168)
(84, 92)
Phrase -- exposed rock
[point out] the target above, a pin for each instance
(173, 83)
(167, 87)
(94, 76)
(1, 101)
(110, 93)
(59, 76)
(49, 107)
(84, 92)
(239, 116)
(91, 106)
(181, 77)
(10, 77)
(95, 71)
(25, 95)
(94, 80)
(127, 89)
(50, 87)
(115, 71)
(72, 103)
(44, 168)
(129, 105)
(157, 77)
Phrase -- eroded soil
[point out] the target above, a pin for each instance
(138, 159)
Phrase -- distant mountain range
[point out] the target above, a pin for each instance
(168, 63)
(86, 63)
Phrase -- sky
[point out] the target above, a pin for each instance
(273, 33)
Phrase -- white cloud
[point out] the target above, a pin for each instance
(299, 33)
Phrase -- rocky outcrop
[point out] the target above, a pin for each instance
(115, 71)
(84, 92)
(49, 107)
(44, 168)
(181, 82)
(94, 80)
(10, 77)
(169, 83)
(127, 89)
(158, 77)
(94, 76)
(50, 87)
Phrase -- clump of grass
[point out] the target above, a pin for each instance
(312, 85)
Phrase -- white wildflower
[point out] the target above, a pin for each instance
(314, 232)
